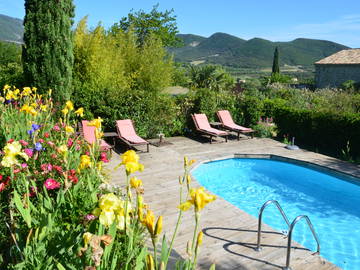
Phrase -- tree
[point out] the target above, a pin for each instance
(48, 49)
(275, 67)
(161, 24)
(210, 76)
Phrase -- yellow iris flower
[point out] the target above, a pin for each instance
(111, 209)
(69, 129)
(43, 108)
(85, 162)
(131, 162)
(150, 265)
(135, 183)
(80, 112)
(63, 149)
(199, 198)
(26, 91)
(65, 111)
(95, 123)
(69, 105)
(149, 222)
(11, 151)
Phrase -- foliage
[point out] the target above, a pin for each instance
(276, 66)
(327, 131)
(9, 53)
(11, 73)
(350, 85)
(10, 64)
(48, 50)
(155, 23)
(116, 79)
(209, 76)
(265, 128)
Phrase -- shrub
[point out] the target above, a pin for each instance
(116, 79)
(327, 131)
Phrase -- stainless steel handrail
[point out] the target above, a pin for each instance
(258, 247)
(287, 267)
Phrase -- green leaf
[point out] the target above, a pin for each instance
(164, 249)
(140, 259)
(25, 212)
(212, 267)
(60, 267)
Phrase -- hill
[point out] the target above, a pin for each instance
(231, 51)
(11, 29)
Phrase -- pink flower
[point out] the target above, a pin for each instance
(2, 186)
(46, 167)
(103, 157)
(33, 191)
(51, 184)
(56, 128)
(70, 142)
(24, 165)
(58, 168)
(89, 217)
(50, 143)
(17, 170)
(29, 152)
(23, 143)
(41, 140)
(54, 156)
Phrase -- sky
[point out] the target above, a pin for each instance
(276, 20)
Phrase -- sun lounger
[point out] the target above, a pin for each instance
(229, 124)
(202, 125)
(127, 134)
(89, 136)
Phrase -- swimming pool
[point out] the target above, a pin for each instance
(332, 204)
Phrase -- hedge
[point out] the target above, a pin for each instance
(327, 132)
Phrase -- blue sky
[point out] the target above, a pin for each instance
(276, 20)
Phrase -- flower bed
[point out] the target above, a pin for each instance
(58, 210)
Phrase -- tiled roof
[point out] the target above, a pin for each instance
(350, 56)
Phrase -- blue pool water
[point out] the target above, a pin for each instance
(332, 204)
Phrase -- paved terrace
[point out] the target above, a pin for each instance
(229, 233)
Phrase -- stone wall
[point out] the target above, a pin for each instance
(334, 75)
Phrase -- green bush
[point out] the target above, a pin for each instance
(328, 132)
(252, 108)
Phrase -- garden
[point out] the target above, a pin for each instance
(59, 210)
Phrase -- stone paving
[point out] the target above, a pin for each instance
(229, 233)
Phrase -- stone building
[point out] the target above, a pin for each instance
(337, 68)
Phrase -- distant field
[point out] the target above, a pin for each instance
(176, 90)
(299, 72)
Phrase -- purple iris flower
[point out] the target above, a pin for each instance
(38, 146)
(35, 126)
(30, 132)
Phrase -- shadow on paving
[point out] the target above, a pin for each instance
(211, 231)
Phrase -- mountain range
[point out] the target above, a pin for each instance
(11, 29)
(228, 50)
(222, 49)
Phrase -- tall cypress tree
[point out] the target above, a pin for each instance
(48, 49)
(276, 67)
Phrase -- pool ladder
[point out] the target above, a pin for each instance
(290, 227)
